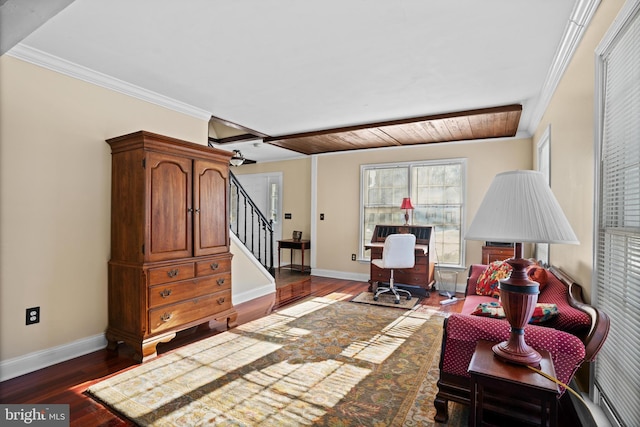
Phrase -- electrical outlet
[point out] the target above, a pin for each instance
(33, 315)
(353, 257)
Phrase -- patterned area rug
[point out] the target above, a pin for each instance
(386, 300)
(322, 362)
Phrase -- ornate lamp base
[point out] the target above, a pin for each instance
(518, 295)
(518, 353)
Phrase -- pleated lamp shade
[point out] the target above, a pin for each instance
(520, 207)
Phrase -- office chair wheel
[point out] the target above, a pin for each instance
(375, 298)
(398, 301)
(409, 298)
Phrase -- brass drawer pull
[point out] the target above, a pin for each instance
(173, 273)
(214, 266)
(166, 317)
(221, 300)
(165, 293)
(220, 281)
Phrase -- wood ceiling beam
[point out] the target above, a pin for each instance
(478, 112)
(482, 123)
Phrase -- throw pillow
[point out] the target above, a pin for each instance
(538, 274)
(488, 280)
(489, 309)
(541, 313)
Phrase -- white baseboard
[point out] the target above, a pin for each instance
(340, 275)
(31, 362)
(253, 294)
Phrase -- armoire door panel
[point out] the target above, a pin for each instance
(210, 196)
(171, 207)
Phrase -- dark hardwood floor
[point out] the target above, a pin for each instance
(65, 383)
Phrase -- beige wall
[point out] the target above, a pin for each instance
(55, 199)
(571, 116)
(339, 190)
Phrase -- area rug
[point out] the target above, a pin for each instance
(321, 362)
(386, 300)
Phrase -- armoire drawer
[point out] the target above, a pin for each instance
(171, 273)
(170, 293)
(167, 317)
(213, 266)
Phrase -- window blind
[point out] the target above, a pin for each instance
(617, 269)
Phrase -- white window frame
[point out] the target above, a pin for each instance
(544, 165)
(463, 164)
(622, 330)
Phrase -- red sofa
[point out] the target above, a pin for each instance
(573, 337)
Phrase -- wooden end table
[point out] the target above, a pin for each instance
(511, 390)
(302, 246)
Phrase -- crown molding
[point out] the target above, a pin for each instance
(62, 66)
(580, 17)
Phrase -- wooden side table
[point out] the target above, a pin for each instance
(511, 390)
(301, 245)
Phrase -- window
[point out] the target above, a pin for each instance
(544, 166)
(437, 191)
(617, 235)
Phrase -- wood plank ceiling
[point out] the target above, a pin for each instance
(484, 123)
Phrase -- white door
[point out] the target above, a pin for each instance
(265, 189)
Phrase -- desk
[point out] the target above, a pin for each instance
(302, 246)
(494, 383)
(418, 280)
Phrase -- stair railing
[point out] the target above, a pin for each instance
(250, 225)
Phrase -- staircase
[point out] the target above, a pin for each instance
(255, 231)
(250, 225)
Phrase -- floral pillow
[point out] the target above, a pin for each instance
(487, 283)
(542, 312)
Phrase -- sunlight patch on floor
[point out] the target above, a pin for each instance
(286, 393)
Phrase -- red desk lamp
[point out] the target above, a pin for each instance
(406, 205)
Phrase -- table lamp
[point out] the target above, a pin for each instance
(519, 207)
(406, 205)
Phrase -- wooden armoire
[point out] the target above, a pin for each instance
(170, 266)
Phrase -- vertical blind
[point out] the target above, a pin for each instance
(617, 269)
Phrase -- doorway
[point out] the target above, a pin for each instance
(265, 189)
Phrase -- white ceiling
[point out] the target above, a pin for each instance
(286, 66)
